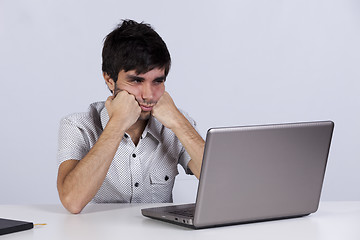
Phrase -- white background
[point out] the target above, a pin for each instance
(235, 62)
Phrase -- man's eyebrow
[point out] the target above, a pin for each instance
(135, 78)
(140, 79)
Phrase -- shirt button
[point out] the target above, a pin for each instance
(125, 135)
(136, 184)
(134, 155)
(166, 177)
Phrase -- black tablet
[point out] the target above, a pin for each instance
(11, 226)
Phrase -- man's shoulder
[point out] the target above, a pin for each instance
(88, 118)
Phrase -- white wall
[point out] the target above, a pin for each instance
(234, 63)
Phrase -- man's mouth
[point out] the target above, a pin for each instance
(146, 108)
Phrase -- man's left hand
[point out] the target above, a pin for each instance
(166, 112)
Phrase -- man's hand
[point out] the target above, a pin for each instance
(124, 109)
(166, 112)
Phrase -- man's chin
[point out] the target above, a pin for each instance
(144, 115)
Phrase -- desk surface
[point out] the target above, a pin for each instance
(333, 220)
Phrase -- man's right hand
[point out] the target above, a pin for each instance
(124, 109)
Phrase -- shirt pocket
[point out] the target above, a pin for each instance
(162, 183)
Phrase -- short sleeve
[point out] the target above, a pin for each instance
(72, 142)
(184, 161)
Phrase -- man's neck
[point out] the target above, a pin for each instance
(136, 130)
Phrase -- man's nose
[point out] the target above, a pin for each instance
(147, 92)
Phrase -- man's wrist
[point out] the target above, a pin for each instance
(179, 122)
(116, 124)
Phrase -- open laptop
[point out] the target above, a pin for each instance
(256, 173)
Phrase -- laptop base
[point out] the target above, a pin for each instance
(180, 223)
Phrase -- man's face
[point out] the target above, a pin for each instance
(147, 88)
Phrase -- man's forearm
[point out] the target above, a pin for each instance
(170, 116)
(192, 142)
(82, 183)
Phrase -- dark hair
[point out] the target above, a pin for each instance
(134, 46)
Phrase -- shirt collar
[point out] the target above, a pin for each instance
(153, 127)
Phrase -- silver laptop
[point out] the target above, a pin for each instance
(256, 173)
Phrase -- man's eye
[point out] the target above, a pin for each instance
(159, 81)
(136, 80)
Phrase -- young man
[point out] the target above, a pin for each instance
(127, 148)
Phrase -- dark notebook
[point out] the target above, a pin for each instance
(11, 226)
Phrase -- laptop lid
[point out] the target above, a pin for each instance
(257, 173)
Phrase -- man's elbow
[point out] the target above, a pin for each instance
(74, 209)
(72, 204)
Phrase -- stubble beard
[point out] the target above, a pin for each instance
(144, 116)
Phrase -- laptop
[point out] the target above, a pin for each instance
(256, 173)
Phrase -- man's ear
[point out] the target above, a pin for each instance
(109, 82)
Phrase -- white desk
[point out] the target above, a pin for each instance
(333, 220)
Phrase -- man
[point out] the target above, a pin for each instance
(127, 148)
